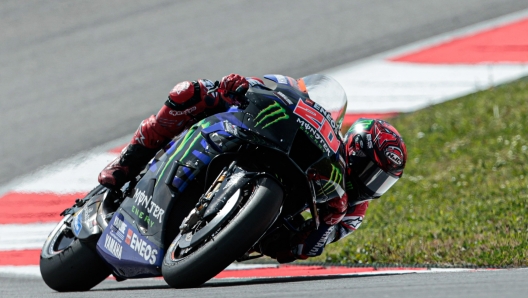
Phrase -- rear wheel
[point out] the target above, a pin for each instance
(75, 268)
(183, 269)
(67, 264)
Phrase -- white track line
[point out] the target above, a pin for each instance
(32, 270)
(24, 236)
(375, 84)
(77, 174)
(81, 171)
(384, 86)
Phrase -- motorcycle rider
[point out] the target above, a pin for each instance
(375, 151)
(376, 157)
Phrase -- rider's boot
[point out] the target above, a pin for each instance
(126, 166)
(148, 139)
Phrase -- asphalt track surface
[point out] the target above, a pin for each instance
(77, 75)
(464, 285)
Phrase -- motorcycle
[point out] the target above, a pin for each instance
(224, 191)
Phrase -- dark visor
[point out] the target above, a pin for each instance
(375, 179)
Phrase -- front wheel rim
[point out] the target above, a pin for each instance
(174, 249)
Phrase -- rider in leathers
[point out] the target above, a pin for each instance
(372, 167)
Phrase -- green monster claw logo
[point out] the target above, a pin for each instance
(349, 186)
(336, 177)
(271, 111)
(186, 143)
(366, 124)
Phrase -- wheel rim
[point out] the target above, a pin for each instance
(63, 241)
(177, 253)
(59, 239)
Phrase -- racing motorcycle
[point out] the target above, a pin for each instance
(224, 191)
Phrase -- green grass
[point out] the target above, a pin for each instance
(464, 196)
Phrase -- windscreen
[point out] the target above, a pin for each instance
(328, 93)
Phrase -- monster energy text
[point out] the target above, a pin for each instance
(144, 202)
(315, 135)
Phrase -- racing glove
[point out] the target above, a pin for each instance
(232, 89)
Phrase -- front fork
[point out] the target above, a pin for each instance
(313, 208)
(197, 213)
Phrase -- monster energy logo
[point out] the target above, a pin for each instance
(273, 113)
(187, 143)
(336, 177)
(364, 123)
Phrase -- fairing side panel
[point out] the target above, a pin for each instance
(152, 199)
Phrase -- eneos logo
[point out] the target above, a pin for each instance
(141, 247)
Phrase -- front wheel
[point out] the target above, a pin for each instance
(229, 243)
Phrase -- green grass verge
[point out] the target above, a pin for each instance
(463, 199)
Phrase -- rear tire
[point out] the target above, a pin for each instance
(233, 240)
(76, 268)
(67, 264)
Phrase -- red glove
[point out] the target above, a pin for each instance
(232, 89)
(334, 210)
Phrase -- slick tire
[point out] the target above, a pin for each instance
(76, 268)
(233, 240)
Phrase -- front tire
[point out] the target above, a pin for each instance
(231, 242)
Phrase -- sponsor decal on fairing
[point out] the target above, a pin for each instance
(271, 115)
(333, 183)
(142, 200)
(77, 222)
(287, 101)
(113, 247)
(118, 228)
(89, 211)
(135, 250)
(147, 251)
(319, 123)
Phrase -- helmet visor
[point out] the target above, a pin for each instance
(375, 179)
